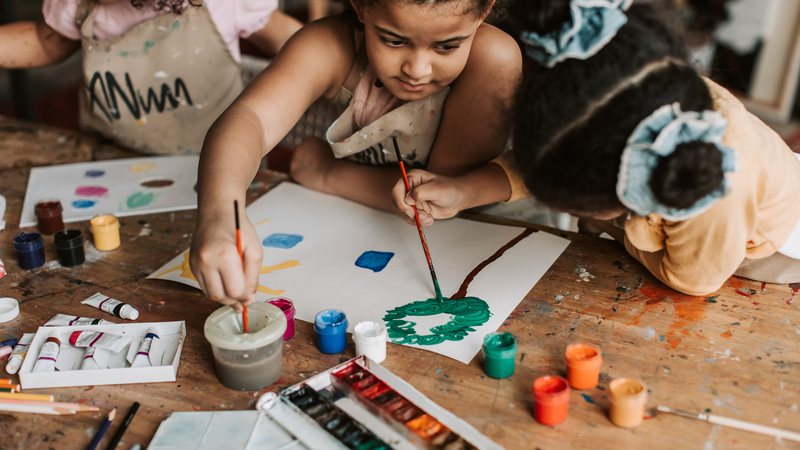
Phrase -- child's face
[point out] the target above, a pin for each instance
(416, 50)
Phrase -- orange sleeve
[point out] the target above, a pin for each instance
(518, 189)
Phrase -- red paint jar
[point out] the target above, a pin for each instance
(551, 399)
(287, 307)
(48, 216)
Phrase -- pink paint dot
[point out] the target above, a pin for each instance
(91, 191)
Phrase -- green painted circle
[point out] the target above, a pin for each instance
(467, 313)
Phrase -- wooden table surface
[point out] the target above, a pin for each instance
(735, 352)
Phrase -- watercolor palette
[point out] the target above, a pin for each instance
(123, 187)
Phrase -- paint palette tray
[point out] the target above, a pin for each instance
(361, 405)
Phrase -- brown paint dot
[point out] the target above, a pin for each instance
(157, 183)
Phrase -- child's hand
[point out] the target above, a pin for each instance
(216, 263)
(436, 197)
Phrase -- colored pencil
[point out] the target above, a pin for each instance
(241, 256)
(121, 430)
(102, 431)
(9, 389)
(733, 423)
(35, 409)
(9, 342)
(18, 396)
(7, 382)
(78, 407)
(419, 226)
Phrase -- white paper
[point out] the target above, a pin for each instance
(114, 187)
(319, 272)
(2, 212)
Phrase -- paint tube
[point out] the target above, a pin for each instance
(142, 358)
(112, 306)
(46, 361)
(64, 320)
(2, 267)
(98, 339)
(18, 354)
(95, 358)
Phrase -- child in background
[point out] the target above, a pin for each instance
(156, 73)
(612, 125)
(429, 75)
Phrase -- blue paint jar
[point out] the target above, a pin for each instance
(30, 250)
(331, 328)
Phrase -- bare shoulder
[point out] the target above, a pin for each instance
(495, 50)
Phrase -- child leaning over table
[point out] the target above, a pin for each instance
(614, 126)
(156, 73)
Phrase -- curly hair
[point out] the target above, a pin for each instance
(478, 6)
(174, 6)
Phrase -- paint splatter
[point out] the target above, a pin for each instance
(157, 183)
(94, 173)
(142, 167)
(83, 204)
(91, 191)
(588, 399)
(139, 200)
(373, 260)
(712, 299)
(688, 310)
(466, 314)
(727, 335)
(282, 240)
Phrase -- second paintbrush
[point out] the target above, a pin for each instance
(419, 226)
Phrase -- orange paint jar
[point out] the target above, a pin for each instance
(627, 399)
(551, 399)
(105, 231)
(583, 365)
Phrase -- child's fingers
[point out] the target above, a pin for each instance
(252, 270)
(399, 198)
(233, 281)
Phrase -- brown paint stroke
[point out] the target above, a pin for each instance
(462, 291)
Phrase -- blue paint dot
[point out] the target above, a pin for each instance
(588, 399)
(94, 173)
(83, 204)
(282, 240)
(374, 261)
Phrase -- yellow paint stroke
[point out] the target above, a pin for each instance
(260, 222)
(142, 167)
(184, 267)
(284, 265)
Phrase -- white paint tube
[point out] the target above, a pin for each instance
(18, 354)
(46, 361)
(65, 320)
(112, 306)
(95, 358)
(142, 358)
(98, 339)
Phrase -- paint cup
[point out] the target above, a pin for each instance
(583, 365)
(69, 245)
(331, 328)
(48, 215)
(285, 305)
(627, 400)
(370, 338)
(105, 232)
(250, 361)
(551, 399)
(30, 250)
(499, 354)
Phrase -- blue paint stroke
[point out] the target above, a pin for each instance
(83, 204)
(588, 399)
(282, 240)
(94, 173)
(374, 261)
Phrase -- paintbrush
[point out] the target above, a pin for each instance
(241, 256)
(733, 423)
(416, 220)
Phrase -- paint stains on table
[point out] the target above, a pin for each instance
(687, 311)
(91, 191)
(374, 260)
(282, 240)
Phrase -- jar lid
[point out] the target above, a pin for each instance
(9, 309)
(266, 323)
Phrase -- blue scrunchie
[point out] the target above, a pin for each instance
(593, 23)
(658, 136)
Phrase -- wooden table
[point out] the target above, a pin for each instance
(735, 353)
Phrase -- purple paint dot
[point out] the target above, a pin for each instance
(94, 173)
(374, 261)
(91, 191)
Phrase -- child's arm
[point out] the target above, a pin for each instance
(32, 44)
(313, 63)
(274, 34)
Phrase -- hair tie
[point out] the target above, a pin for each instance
(658, 136)
(592, 24)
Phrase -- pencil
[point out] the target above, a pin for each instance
(77, 407)
(18, 396)
(35, 409)
(122, 428)
(241, 256)
(419, 226)
(733, 423)
(102, 431)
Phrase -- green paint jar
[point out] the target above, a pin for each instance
(499, 354)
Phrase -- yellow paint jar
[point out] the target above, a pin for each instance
(627, 399)
(105, 232)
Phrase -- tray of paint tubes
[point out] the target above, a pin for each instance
(361, 405)
(87, 355)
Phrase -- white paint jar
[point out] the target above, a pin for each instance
(370, 338)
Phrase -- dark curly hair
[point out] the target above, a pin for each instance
(175, 6)
(478, 6)
(572, 121)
